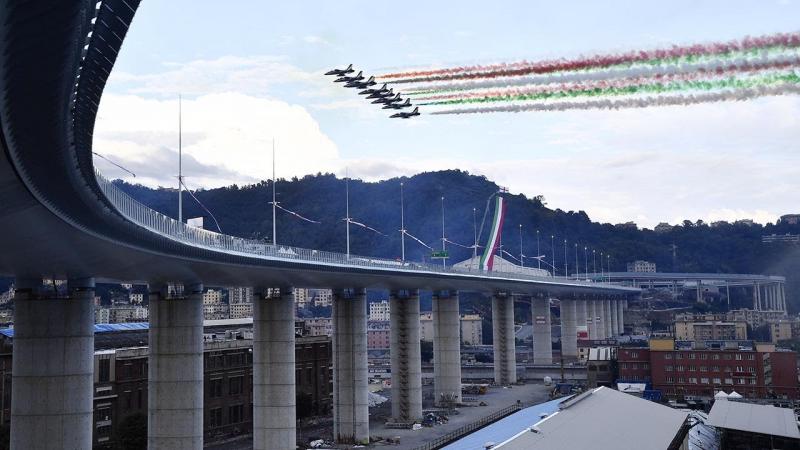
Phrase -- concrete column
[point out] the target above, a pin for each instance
(756, 297)
(590, 319)
(350, 392)
(599, 319)
(614, 317)
(505, 359)
(175, 368)
(446, 348)
(274, 403)
(405, 354)
(52, 367)
(620, 317)
(607, 320)
(569, 336)
(580, 313)
(542, 338)
(783, 297)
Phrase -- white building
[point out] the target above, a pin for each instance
(322, 297)
(135, 299)
(240, 295)
(319, 326)
(102, 315)
(240, 310)
(379, 311)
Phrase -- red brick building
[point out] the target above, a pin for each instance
(755, 371)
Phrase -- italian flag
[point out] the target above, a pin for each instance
(487, 259)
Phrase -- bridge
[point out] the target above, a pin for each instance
(61, 220)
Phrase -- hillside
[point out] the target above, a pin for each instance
(245, 211)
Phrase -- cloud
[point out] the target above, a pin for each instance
(228, 138)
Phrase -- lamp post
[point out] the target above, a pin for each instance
(347, 211)
(538, 250)
(402, 226)
(577, 266)
(553, 252)
(180, 164)
(586, 261)
(602, 276)
(594, 263)
(475, 233)
(444, 249)
(566, 266)
(521, 256)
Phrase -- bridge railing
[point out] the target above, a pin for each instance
(179, 231)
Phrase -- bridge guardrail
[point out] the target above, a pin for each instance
(179, 231)
(441, 441)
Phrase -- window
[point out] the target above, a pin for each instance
(692, 368)
(726, 357)
(703, 369)
(215, 417)
(668, 368)
(667, 355)
(703, 355)
(646, 366)
(235, 385)
(717, 381)
(215, 388)
(752, 381)
(670, 379)
(692, 356)
(678, 355)
(236, 413)
(751, 357)
(681, 379)
(751, 369)
(105, 370)
(728, 380)
(679, 368)
(740, 381)
(738, 356)
(703, 380)
(715, 368)
(692, 380)
(634, 354)
(715, 357)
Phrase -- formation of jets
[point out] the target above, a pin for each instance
(383, 96)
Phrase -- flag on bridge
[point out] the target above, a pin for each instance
(487, 260)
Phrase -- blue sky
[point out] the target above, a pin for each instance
(251, 70)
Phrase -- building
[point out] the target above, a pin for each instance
(585, 345)
(780, 330)
(696, 370)
(240, 295)
(640, 266)
(121, 313)
(240, 310)
(601, 366)
(603, 419)
(322, 297)
(319, 326)
(747, 426)
(755, 318)
(135, 298)
(214, 308)
(471, 328)
(120, 380)
(379, 311)
(378, 334)
(706, 330)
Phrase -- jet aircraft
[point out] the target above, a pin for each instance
(357, 77)
(397, 105)
(405, 115)
(389, 100)
(382, 94)
(372, 91)
(341, 72)
(361, 84)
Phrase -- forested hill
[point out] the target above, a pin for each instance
(245, 211)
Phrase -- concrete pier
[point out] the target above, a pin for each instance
(446, 348)
(580, 313)
(569, 332)
(350, 405)
(52, 368)
(599, 319)
(620, 318)
(614, 318)
(405, 355)
(274, 403)
(505, 358)
(175, 368)
(607, 318)
(542, 338)
(591, 322)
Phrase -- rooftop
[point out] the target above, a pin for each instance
(607, 419)
(763, 419)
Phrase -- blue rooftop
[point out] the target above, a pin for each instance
(98, 328)
(506, 427)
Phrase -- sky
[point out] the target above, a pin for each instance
(249, 72)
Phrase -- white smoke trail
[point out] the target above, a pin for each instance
(638, 102)
(764, 60)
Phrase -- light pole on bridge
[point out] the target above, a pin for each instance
(402, 226)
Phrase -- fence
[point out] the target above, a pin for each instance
(469, 428)
(179, 231)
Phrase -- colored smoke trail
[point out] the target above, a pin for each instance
(604, 84)
(789, 40)
(640, 102)
(709, 66)
(635, 89)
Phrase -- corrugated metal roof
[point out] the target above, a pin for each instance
(602, 419)
(505, 428)
(98, 328)
(764, 419)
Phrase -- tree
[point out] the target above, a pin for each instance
(132, 432)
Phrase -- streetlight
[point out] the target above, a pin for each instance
(347, 201)
(586, 261)
(602, 276)
(475, 232)
(402, 226)
(553, 252)
(538, 250)
(608, 267)
(566, 267)
(521, 256)
(444, 260)
(577, 266)
(594, 263)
